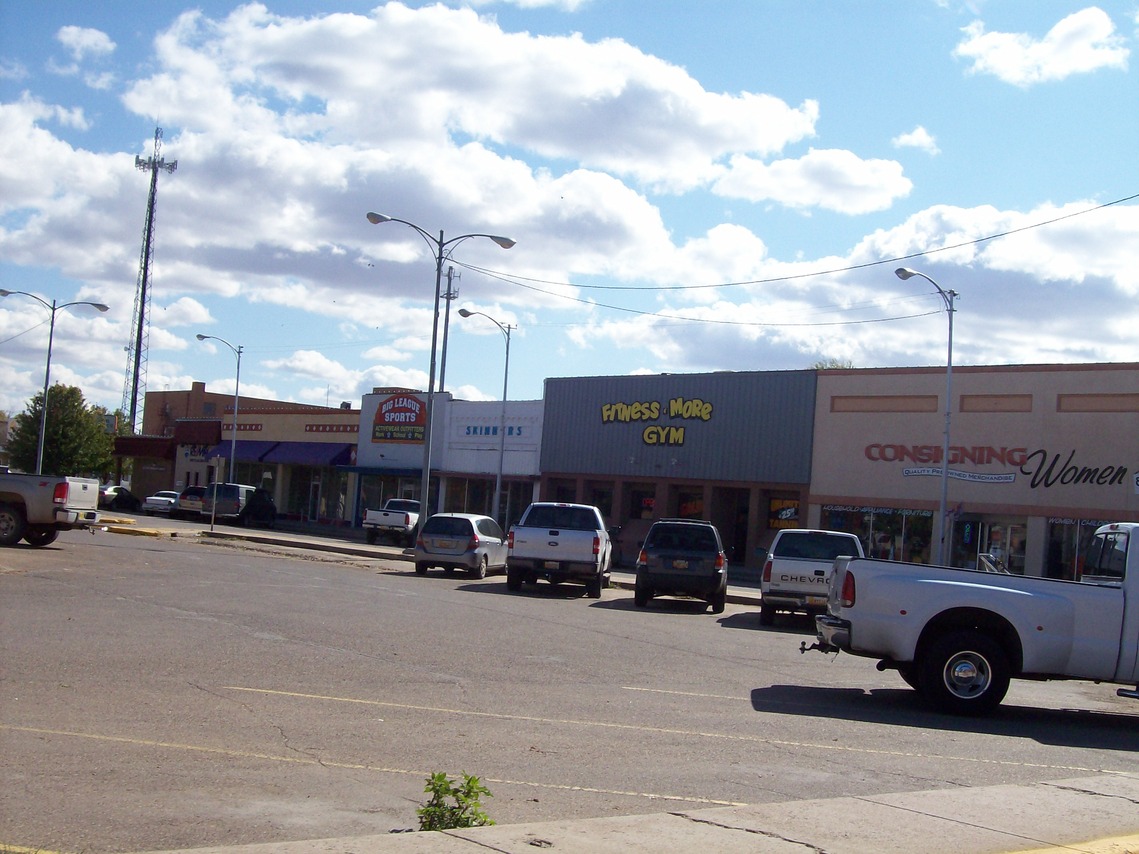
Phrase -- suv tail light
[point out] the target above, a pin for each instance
(721, 561)
(642, 558)
(848, 591)
(59, 496)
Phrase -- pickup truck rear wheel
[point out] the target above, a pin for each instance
(39, 536)
(766, 614)
(13, 525)
(513, 579)
(593, 586)
(964, 673)
(370, 536)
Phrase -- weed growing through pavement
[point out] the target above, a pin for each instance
(465, 811)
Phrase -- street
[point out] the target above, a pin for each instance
(179, 692)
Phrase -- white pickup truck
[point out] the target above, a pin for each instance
(798, 568)
(959, 635)
(396, 520)
(559, 542)
(35, 508)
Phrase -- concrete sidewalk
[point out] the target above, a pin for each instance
(1098, 815)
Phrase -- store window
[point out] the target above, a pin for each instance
(886, 532)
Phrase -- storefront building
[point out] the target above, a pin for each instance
(301, 453)
(472, 442)
(734, 448)
(1039, 456)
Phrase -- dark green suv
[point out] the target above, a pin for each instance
(682, 557)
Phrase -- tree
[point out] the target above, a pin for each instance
(76, 441)
(832, 364)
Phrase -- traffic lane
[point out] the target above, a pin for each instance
(573, 707)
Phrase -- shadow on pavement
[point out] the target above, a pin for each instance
(904, 707)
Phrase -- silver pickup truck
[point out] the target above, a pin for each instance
(559, 542)
(35, 508)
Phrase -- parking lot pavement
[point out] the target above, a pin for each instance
(1094, 815)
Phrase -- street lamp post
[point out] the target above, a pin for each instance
(948, 297)
(442, 250)
(505, 329)
(236, 388)
(53, 307)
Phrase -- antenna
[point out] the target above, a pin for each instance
(135, 381)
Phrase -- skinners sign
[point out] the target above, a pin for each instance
(1043, 468)
(678, 408)
(399, 418)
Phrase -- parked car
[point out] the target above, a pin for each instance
(259, 510)
(189, 503)
(162, 502)
(461, 541)
(682, 557)
(231, 497)
(118, 498)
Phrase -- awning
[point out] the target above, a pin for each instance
(310, 453)
(248, 450)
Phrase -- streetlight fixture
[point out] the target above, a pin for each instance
(948, 297)
(53, 307)
(442, 250)
(236, 387)
(505, 329)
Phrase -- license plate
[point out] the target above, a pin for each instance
(817, 601)
(680, 564)
(550, 564)
(445, 544)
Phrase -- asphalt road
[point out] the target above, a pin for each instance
(172, 693)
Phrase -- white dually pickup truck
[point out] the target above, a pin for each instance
(559, 542)
(35, 508)
(958, 635)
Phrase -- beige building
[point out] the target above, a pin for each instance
(1039, 455)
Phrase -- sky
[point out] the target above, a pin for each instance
(691, 187)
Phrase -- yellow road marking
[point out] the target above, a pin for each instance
(353, 766)
(754, 739)
(1112, 845)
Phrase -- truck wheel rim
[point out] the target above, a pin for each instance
(967, 675)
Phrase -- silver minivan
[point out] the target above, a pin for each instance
(231, 497)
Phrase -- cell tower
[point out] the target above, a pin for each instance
(135, 384)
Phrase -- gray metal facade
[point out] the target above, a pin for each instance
(752, 427)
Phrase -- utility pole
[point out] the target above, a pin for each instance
(450, 295)
(134, 386)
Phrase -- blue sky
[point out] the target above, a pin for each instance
(692, 187)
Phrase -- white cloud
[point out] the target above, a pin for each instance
(918, 138)
(84, 42)
(1083, 42)
(831, 179)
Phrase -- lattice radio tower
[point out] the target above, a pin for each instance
(134, 385)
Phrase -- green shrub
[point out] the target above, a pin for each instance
(466, 811)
